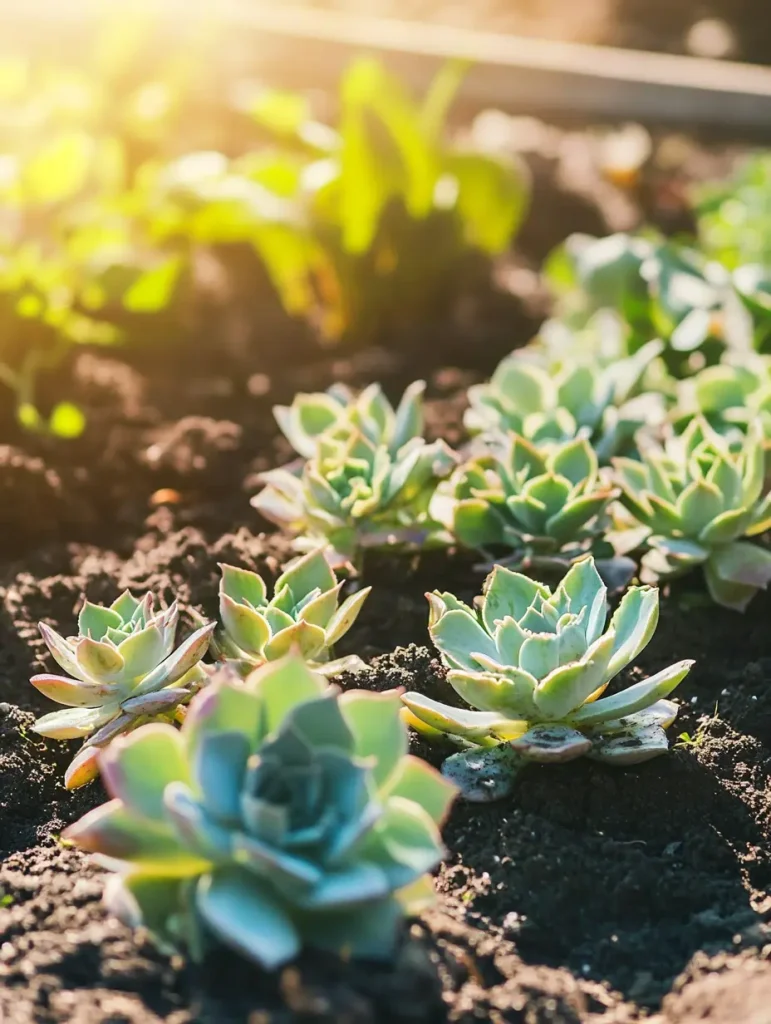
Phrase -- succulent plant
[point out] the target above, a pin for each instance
(355, 495)
(695, 499)
(547, 400)
(547, 504)
(281, 815)
(534, 664)
(335, 412)
(122, 669)
(729, 397)
(304, 613)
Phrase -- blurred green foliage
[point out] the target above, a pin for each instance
(105, 202)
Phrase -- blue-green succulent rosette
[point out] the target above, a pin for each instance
(282, 815)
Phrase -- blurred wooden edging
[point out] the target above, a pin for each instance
(308, 46)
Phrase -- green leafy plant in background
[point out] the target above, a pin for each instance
(282, 815)
(695, 500)
(78, 259)
(547, 505)
(338, 411)
(549, 400)
(378, 191)
(304, 614)
(123, 668)
(354, 495)
(734, 215)
(534, 664)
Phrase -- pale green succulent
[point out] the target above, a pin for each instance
(546, 504)
(122, 669)
(356, 495)
(338, 411)
(533, 664)
(304, 614)
(695, 499)
(729, 397)
(547, 400)
(282, 815)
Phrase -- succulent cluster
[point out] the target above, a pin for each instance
(281, 815)
(545, 506)
(304, 614)
(697, 499)
(534, 664)
(339, 412)
(356, 494)
(123, 668)
(549, 400)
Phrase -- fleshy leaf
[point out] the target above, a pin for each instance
(244, 914)
(378, 731)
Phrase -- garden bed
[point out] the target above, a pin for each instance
(593, 894)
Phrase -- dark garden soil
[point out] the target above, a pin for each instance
(592, 895)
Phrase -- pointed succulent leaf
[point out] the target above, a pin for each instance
(310, 572)
(137, 768)
(72, 692)
(458, 636)
(241, 585)
(246, 627)
(345, 616)
(576, 461)
(633, 698)
(125, 605)
(726, 527)
(141, 652)
(539, 654)
(94, 620)
(116, 832)
(62, 650)
(74, 723)
(83, 768)
(225, 706)
(634, 623)
(510, 695)
(308, 639)
(99, 660)
(408, 422)
(698, 505)
(281, 685)
(179, 663)
(508, 593)
(154, 703)
(471, 725)
(567, 687)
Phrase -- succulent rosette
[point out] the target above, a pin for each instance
(547, 505)
(281, 815)
(355, 494)
(696, 499)
(547, 400)
(123, 668)
(304, 613)
(533, 664)
(337, 411)
(729, 396)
